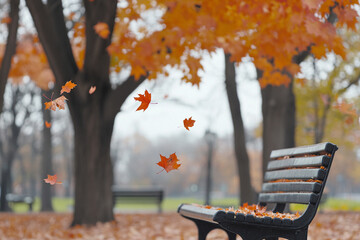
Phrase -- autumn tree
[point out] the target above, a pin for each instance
(321, 93)
(176, 36)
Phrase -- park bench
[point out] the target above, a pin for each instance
(13, 199)
(294, 175)
(139, 195)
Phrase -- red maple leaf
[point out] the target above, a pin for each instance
(188, 123)
(169, 163)
(145, 100)
(52, 180)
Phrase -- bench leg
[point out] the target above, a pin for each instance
(205, 227)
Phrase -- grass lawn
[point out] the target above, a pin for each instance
(171, 204)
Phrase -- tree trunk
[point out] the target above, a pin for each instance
(46, 161)
(10, 48)
(93, 167)
(247, 193)
(278, 109)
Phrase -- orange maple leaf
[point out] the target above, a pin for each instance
(169, 163)
(102, 29)
(145, 100)
(92, 89)
(188, 123)
(67, 87)
(57, 103)
(52, 180)
(47, 124)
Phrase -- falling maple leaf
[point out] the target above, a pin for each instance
(52, 180)
(188, 123)
(145, 100)
(102, 29)
(67, 87)
(92, 89)
(57, 103)
(47, 124)
(169, 163)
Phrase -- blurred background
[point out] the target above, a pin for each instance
(327, 108)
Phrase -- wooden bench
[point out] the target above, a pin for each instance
(13, 199)
(294, 175)
(136, 195)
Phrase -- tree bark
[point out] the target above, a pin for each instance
(93, 167)
(247, 193)
(92, 115)
(278, 110)
(10, 48)
(46, 161)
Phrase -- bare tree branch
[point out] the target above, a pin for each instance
(118, 96)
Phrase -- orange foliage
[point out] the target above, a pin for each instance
(30, 60)
(169, 163)
(346, 108)
(188, 123)
(52, 180)
(145, 100)
(271, 33)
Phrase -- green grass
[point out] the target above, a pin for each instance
(171, 204)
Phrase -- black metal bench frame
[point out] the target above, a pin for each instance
(16, 199)
(155, 195)
(293, 165)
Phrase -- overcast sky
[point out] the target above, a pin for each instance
(207, 105)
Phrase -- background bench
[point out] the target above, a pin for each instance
(19, 199)
(139, 195)
(294, 175)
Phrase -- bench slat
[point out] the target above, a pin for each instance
(192, 211)
(299, 162)
(291, 187)
(304, 198)
(327, 147)
(295, 174)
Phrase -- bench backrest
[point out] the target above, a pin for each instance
(297, 175)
